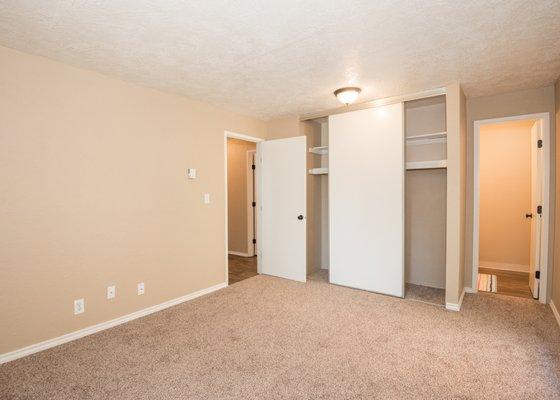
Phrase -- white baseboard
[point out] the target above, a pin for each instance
(504, 266)
(237, 253)
(323, 267)
(471, 290)
(555, 312)
(47, 344)
(456, 306)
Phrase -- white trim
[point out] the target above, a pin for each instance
(437, 135)
(432, 164)
(320, 150)
(47, 344)
(503, 266)
(421, 142)
(456, 306)
(470, 290)
(258, 194)
(376, 103)
(251, 214)
(545, 118)
(318, 171)
(240, 136)
(555, 312)
(237, 253)
(429, 138)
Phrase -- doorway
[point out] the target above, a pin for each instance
(273, 208)
(510, 226)
(240, 153)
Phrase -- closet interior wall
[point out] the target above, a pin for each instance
(426, 192)
(312, 130)
(317, 192)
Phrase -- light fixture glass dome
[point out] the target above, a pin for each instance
(347, 95)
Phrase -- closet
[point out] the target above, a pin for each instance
(319, 173)
(426, 191)
(383, 203)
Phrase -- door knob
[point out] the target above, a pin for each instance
(300, 217)
(529, 215)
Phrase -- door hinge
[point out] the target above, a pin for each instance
(254, 241)
(253, 166)
(254, 204)
(539, 209)
(539, 143)
(537, 274)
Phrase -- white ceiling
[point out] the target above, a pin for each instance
(274, 58)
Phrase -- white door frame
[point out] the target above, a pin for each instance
(240, 136)
(547, 148)
(252, 188)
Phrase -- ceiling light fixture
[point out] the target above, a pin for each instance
(347, 95)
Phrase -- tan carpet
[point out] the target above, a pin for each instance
(269, 338)
(424, 293)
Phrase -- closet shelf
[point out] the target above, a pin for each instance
(430, 138)
(319, 171)
(432, 164)
(321, 150)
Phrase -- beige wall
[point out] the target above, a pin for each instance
(425, 116)
(504, 105)
(425, 227)
(556, 273)
(290, 127)
(505, 194)
(283, 128)
(94, 193)
(456, 180)
(239, 205)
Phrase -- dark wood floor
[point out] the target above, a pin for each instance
(241, 268)
(510, 283)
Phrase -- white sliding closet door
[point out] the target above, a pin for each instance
(366, 199)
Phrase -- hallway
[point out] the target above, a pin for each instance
(510, 283)
(241, 268)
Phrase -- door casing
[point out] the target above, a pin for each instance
(240, 136)
(546, 203)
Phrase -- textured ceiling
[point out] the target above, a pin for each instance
(275, 58)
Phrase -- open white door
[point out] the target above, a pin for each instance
(366, 199)
(536, 202)
(282, 205)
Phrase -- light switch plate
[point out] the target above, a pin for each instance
(206, 198)
(140, 288)
(111, 292)
(79, 306)
(191, 173)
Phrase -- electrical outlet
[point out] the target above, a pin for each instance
(140, 288)
(79, 306)
(111, 292)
